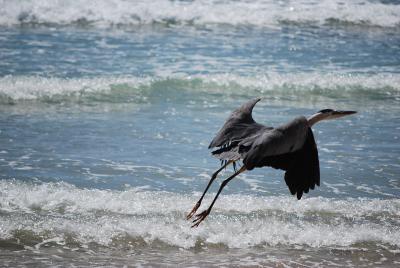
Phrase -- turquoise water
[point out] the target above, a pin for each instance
(107, 110)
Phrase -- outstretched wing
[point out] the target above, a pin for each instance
(291, 148)
(284, 139)
(240, 124)
(237, 150)
(303, 172)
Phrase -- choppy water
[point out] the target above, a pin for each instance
(107, 109)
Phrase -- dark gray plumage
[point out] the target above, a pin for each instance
(290, 147)
(239, 128)
(239, 125)
(266, 146)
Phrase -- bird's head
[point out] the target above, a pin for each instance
(328, 114)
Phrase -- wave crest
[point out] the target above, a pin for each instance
(64, 214)
(258, 13)
(16, 89)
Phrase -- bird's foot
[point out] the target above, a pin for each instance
(200, 217)
(190, 215)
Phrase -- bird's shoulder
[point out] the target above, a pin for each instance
(283, 139)
(298, 125)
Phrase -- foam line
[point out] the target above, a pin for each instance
(57, 212)
(106, 13)
(20, 88)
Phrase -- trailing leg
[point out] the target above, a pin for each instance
(213, 177)
(200, 217)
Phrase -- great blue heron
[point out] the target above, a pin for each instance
(290, 147)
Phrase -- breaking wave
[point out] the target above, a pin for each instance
(201, 12)
(40, 214)
(15, 89)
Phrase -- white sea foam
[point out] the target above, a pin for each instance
(106, 13)
(33, 87)
(15, 88)
(237, 221)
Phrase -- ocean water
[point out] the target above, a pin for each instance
(107, 109)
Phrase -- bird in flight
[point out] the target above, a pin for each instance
(290, 147)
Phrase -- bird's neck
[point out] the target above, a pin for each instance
(315, 118)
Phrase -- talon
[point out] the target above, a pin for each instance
(193, 211)
(200, 217)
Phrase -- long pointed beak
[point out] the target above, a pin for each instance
(343, 113)
(337, 114)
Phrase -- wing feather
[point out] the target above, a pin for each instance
(301, 166)
(240, 124)
(304, 173)
(271, 144)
